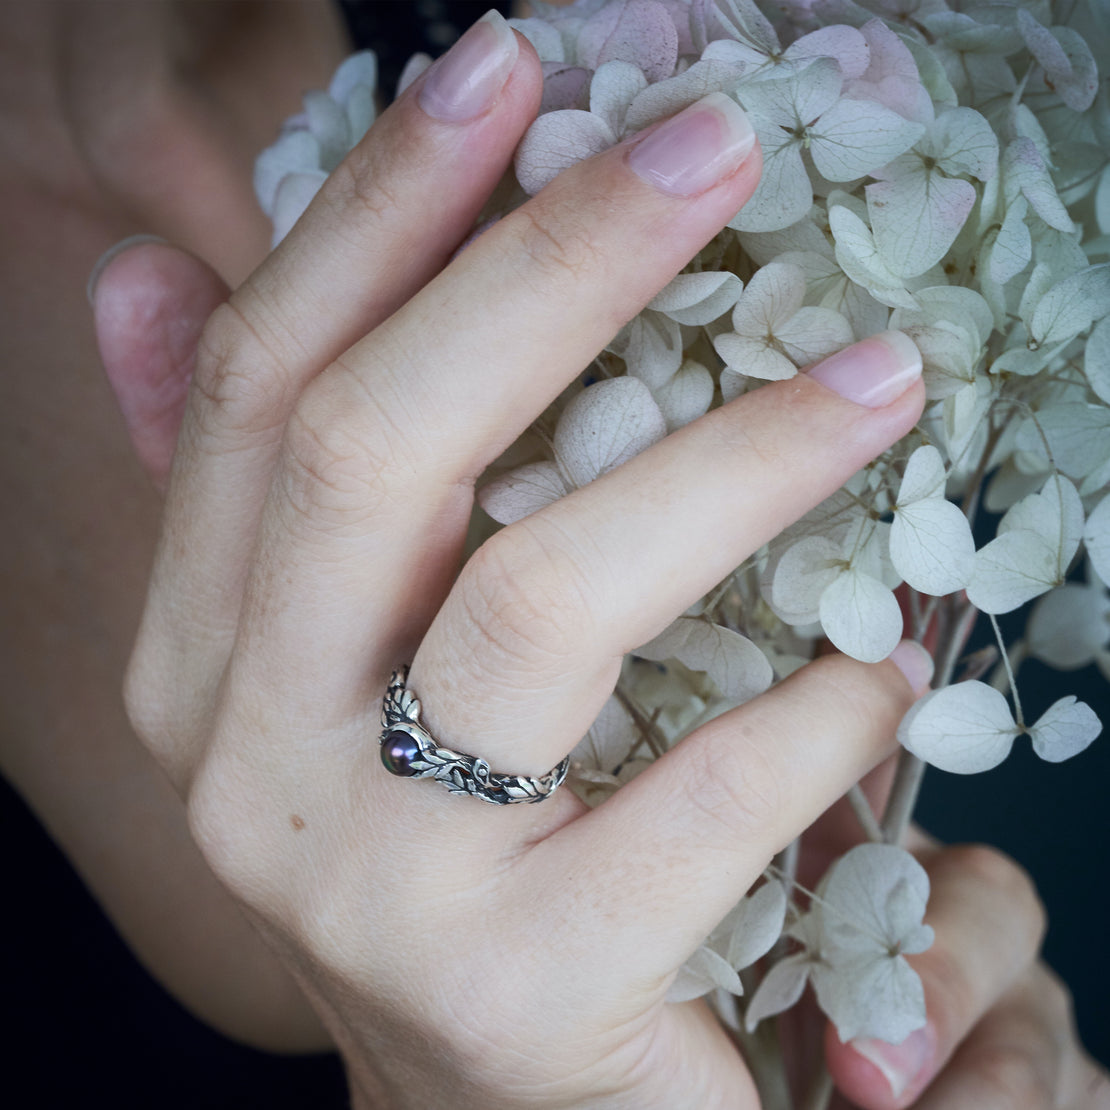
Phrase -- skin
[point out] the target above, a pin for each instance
(306, 514)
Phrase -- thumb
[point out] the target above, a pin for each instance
(150, 302)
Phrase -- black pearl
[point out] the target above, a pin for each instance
(399, 751)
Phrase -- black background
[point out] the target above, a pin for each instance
(87, 1025)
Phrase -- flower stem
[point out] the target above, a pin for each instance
(820, 1090)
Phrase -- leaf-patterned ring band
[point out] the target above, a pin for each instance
(408, 750)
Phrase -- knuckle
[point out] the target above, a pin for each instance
(527, 601)
(1010, 883)
(339, 467)
(555, 245)
(361, 192)
(728, 780)
(238, 376)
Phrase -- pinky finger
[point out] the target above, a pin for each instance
(150, 302)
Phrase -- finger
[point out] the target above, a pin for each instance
(989, 924)
(376, 480)
(150, 303)
(382, 225)
(1016, 1057)
(673, 850)
(556, 600)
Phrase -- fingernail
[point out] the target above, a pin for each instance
(110, 255)
(873, 372)
(690, 153)
(471, 75)
(904, 1065)
(915, 663)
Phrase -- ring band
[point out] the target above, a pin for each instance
(409, 751)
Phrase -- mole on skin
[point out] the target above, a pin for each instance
(297, 822)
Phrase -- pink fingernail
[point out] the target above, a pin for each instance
(471, 75)
(915, 663)
(873, 372)
(904, 1066)
(110, 256)
(690, 153)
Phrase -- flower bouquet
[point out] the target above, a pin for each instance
(941, 167)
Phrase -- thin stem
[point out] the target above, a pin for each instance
(1018, 714)
(763, 1055)
(903, 797)
(648, 730)
(820, 1090)
(861, 807)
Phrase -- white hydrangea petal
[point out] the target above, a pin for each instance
(846, 44)
(964, 142)
(546, 39)
(513, 496)
(605, 425)
(741, 19)
(1012, 569)
(360, 69)
(891, 76)
(860, 615)
(784, 193)
(361, 112)
(613, 88)
(756, 925)
(1055, 513)
(873, 899)
(414, 67)
(556, 142)
(704, 971)
(1069, 626)
(1069, 66)
(665, 98)
(755, 358)
(295, 152)
(1096, 538)
(917, 216)
(924, 475)
(294, 194)
(651, 346)
(872, 998)
(609, 740)
(686, 396)
(1071, 305)
(779, 989)
(932, 546)
(739, 669)
(801, 574)
(965, 729)
(773, 294)
(1012, 247)
(638, 31)
(698, 298)
(859, 258)
(1096, 360)
(949, 355)
(1066, 728)
(812, 334)
(328, 122)
(1025, 172)
(1078, 436)
(855, 137)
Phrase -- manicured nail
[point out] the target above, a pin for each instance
(471, 75)
(110, 255)
(690, 153)
(904, 1065)
(915, 663)
(873, 372)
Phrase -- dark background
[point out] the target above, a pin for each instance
(88, 1026)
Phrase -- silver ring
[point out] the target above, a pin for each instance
(408, 750)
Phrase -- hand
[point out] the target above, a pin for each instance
(344, 401)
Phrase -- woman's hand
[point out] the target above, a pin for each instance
(344, 401)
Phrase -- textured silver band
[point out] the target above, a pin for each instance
(408, 750)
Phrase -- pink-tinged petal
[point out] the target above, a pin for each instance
(845, 44)
(638, 31)
(564, 87)
(556, 142)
